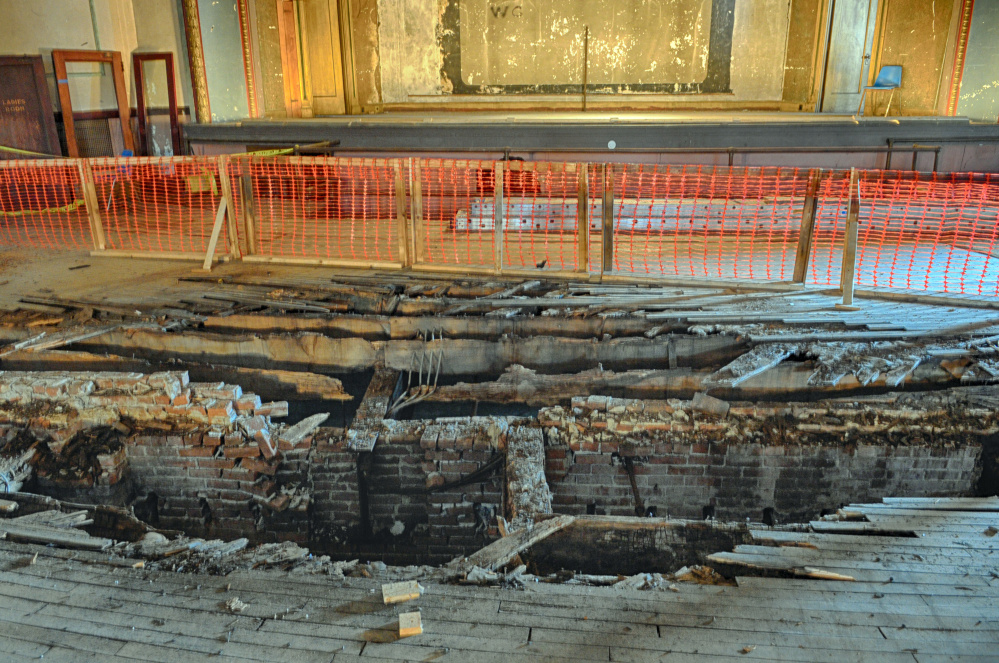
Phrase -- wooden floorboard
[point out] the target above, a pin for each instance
(932, 598)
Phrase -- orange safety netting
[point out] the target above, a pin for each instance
(929, 232)
(159, 204)
(916, 231)
(825, 262)
(42, 205)
(541, 215)
(707, 221)
(457, 226)
(323, 207)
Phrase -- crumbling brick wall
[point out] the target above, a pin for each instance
(797, 459)
(202, 457)
(462, 513)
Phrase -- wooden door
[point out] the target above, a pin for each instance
(311, 59)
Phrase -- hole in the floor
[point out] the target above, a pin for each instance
(660, 546)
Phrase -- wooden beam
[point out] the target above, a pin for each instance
(93, 206)
(583, 216)
(847, 275)
(248, 216)
(400, 213)
(416, 191)
(497, 554)
(214, 240)
(807, 224)
(230, 202)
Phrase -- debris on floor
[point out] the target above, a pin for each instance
(410, 623)
(399, 592)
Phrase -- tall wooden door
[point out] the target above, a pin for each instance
(310, 44)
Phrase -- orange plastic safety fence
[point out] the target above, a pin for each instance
(42, 205)
(163, 204)
(829, 228)
(324, 207)
(541, 215)
(457, 200)
(707, 221)
(929, 232)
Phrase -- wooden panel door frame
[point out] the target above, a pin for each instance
(49, 132)
(59, 59)
(138, 59)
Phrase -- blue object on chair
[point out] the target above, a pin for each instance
(889, 78)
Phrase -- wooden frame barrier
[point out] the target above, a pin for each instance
(408, 248)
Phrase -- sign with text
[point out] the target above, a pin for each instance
(26, 118)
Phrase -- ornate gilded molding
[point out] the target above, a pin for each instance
(196, 60)
(959, 52)
(242, 7)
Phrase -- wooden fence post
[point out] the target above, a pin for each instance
(416, 192)
(607, 241)
(93, 206)
(231, 229)
(498, 215)
(583, 216)
(850, 242)
(400, 212)
(807, 224)
(249, 222)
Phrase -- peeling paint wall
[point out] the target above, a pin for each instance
(979, 98)
(410, 55)
(497, 47)
(916, 33)
(759, 42)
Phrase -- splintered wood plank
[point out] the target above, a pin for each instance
(845, 570)
(499, 553)
(907, 561)
(863, 589)
(944, 503)
(952, 543)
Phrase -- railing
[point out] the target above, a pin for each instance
(880, 229)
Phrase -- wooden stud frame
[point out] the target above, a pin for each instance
(113, 58)
(138, 59)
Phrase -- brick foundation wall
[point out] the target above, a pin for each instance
(753, 461)
(202, 457)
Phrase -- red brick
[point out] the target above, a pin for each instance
(265, 488)
(264, 444)
(200, 452)
(259, 465)
(217, 463)
(246, 451)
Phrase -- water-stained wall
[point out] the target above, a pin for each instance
(734, 50)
